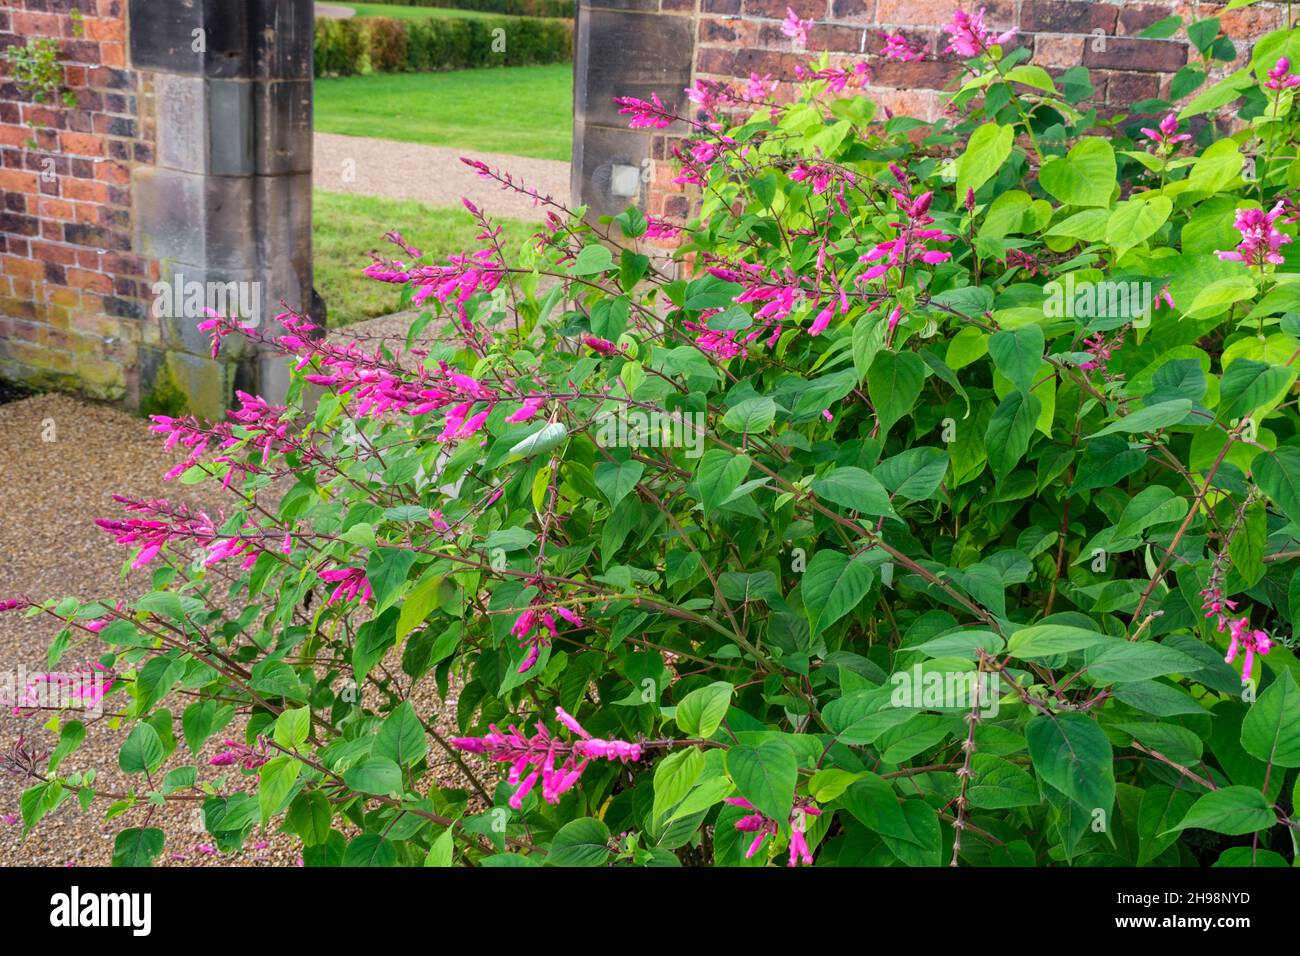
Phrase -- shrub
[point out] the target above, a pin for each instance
(913, 523)
(387, 44)
(377, 44)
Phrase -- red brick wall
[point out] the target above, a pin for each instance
(72, 294)
(737, 37)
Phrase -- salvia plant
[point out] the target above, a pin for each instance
(934, 500)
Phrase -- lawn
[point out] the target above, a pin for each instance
(518, 110)
(411, 13)
(346, 227)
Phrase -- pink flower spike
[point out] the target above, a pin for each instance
(795, 28)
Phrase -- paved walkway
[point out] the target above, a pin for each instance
(334, 12)
(433, 175)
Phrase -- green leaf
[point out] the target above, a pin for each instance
(1018, 353)
(1073, 755)
(421, 601)
(1162, 807)
(386, 570)
(143, 751)
(548, 437)
(592, 260)
(834, 585)
(1149, 419)
(1271, 728)
(292, 727)
(914, 474)
(986, 151)
(751, 416)
(1122, 661)
(701, 711)
(1235, 810)
(581, 842)
(1047, 640)
(377, 775)
(999, 784)
(1278, 474)
(765, 776)
(1135, 221)
(1084, 177)
(719, 475)
(370, 850)
(138, 846)
(674, 777)
(440, 853)
(276, 779)
(401, 738)
(616, 478)
(893, 384)
(1009, 432)
(854, 489)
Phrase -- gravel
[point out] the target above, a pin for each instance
(434, 175)
(60, 461)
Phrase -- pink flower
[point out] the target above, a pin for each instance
(910, 245)
(526, 630)
(1164, 135)
(651, 115)
(657, 228)
(531, 406)
(1253, 641)
(1280, 77)
(534, 759)
(759, 88)
(763, 827)
(349, 583)
(795, 28)
(899, 47)
(969, 37)
(603, 346)
(1261, 240)
(236, 752)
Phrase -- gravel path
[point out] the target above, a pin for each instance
(433, 175)
(49, 547)
(334, 12)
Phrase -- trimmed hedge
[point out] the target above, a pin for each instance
(515, 8)
(381, 45)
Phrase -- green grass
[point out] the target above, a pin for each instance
(346, 227)
(412, 13)
(517, 110)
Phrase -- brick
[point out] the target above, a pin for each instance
(919, 74)
(22, 268)
(914, 13)
(836, 39)
(112, 54)
(1147, 56)
(1067, 16)
(853, 10)
(1124, 88)
(82, 144)
(1062, 51)
(106, 29)
(54, 209)
(85, 190)
(1136, 17)
(776, 9)
(95, 281)
(52, 252)
(15, 181)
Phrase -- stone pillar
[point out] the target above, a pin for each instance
(623, 48)
(229, 199)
